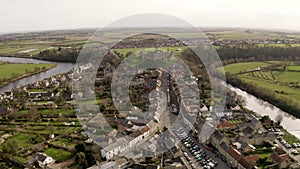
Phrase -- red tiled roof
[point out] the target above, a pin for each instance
(135, 134)
(245, 163)
(234, 153)
(144, 129)
(279, 158)
(226, 124)
(252, 159)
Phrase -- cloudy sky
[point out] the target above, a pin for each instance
(29, 15)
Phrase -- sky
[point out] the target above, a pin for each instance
(33, 15)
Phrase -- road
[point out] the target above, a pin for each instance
(168, 118)
(289, 151)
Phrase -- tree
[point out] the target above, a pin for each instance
(90, 158)
(3, 165)
(129, 53)
(80, 160)
(265, 118)
(279, 119)
(80, 147)
(11, 147)
(36, 69)
(13, 75)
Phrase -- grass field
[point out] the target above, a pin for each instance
(59, 155)
(239, 67)
(175, 50)
(285, 85)
(13, 71)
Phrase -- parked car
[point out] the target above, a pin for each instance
(295, 152)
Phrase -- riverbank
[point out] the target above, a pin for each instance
(274, 81)
(58, 69)
(261, 107)
(45, 67)
(286, 105)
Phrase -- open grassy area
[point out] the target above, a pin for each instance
(65, 142)
(284, 84)
(23, 140)
(11, 71)
(238, 67)
(175, 50)
(58, 154)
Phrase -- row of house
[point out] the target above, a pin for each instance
(249, 134)
(125, 143)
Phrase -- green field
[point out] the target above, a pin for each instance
(284, 84)
(11, 71)
(175, 50)
(239, 67)
(59, 155)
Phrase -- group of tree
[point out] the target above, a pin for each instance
(59, 55)
(253, 52)
(83, 157)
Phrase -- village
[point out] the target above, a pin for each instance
(41, 127)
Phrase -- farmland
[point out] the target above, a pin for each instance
(12, 71)
(283, 84)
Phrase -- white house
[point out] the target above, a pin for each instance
(40, 160)
(123, 144)
(115, 148)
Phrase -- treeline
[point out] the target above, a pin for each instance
(59, 55)
(248, 53)
(286, 104)
(228, 53)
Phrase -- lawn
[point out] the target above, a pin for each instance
(13, 70)
(289, 137)
(23, 140)
(59, 155)
(68, 143)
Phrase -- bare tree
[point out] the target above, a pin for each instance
(279, 119)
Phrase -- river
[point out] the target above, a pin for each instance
(60, 68)
(289, 122)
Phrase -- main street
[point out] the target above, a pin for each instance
(170, 121)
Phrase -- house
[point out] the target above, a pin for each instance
(246, 148)
(112, 150)
(248, 130)
(153, 127)
(233, 156)
(193, 109)
(51, 136)
(258, 139)
(223, 148)
(225, 125)
(280, 157)
(135, 138)
(248, 162)
(122, 144)
(9, 95)
(41, 95)
(39, 160)
(4, 109)
(217, 138)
